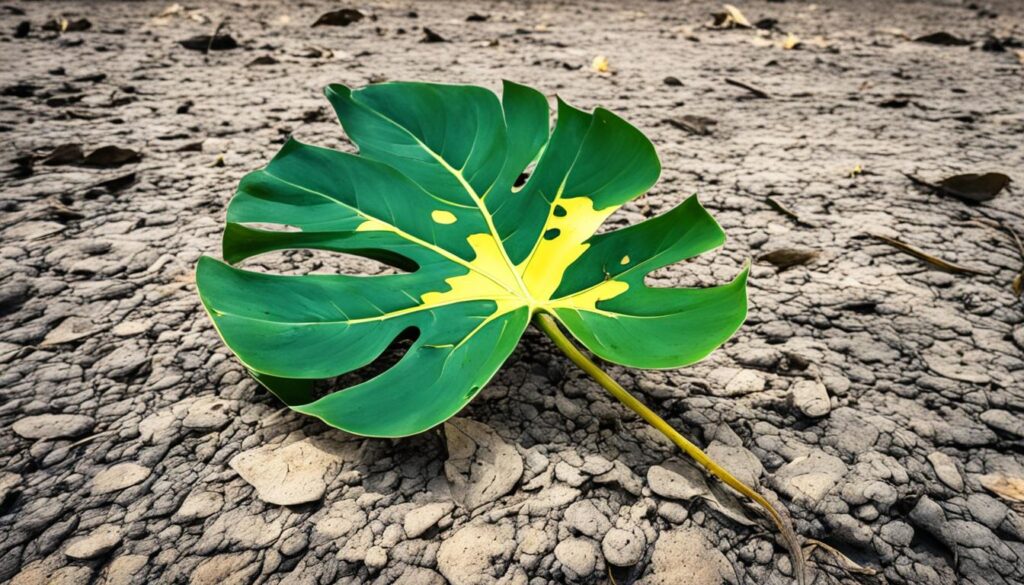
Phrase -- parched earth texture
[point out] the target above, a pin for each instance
(869, 392)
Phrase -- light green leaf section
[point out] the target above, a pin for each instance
(432, 193)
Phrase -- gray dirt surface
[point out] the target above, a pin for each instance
(868, 391)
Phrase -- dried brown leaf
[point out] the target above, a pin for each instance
(1004, 486)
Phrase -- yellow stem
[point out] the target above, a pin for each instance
(548, 325)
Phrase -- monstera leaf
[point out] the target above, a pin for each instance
(437, 191)
(434, 191)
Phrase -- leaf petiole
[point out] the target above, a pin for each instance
(548, 325)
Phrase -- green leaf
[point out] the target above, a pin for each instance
(432, 192)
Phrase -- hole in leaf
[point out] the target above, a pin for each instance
(313, 261)
(521, 180)
(387, 359)
(560, 211)
(552, 233)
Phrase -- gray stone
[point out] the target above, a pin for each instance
(811, 398)
(1004, 421)
(53, 426)
(585, 518)
(946, 471)
(808, 478)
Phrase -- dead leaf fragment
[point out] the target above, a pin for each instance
(343, 17)
(791, 42)
(600, 65)
(65, 154)
(1004, 486)
(111, 156)
(430, 36)
(730, 17)
(973, 187)
(70, 329)
(968, 187)
(699, 125)
(942, 38)
(935, 261)
(206, 43)
(784, 258)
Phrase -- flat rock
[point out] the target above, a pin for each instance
(808, 478)
(1005, 421)
(470, 555)
(579, 556)
(735, 381)
(294, 474)
(226, 569)
(53, 426)
(585, 518)
(624, 548)
(125, 570)
(676, 480)
(687, 557)
(481, 467)
(96, 544)
(199, 505)
(737, 460)
(423, 518)
(810, 397)
(70, 329)
(208, 413)
(118, 477)
(946, 471)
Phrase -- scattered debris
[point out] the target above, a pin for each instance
(968, 187)
(263, 60)
(477, 17)
(730, 17)
(673, 81)
(63, 25)
(699, 125)
(430, 36)
(758, 93)
(928, 258)
(207, 43)
(942, 38)
(784, 258)
(343, 17)
(600, 65)
(111, 156)
(65, 154)
(778, 206)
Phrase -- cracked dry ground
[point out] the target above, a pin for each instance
(868, 391)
